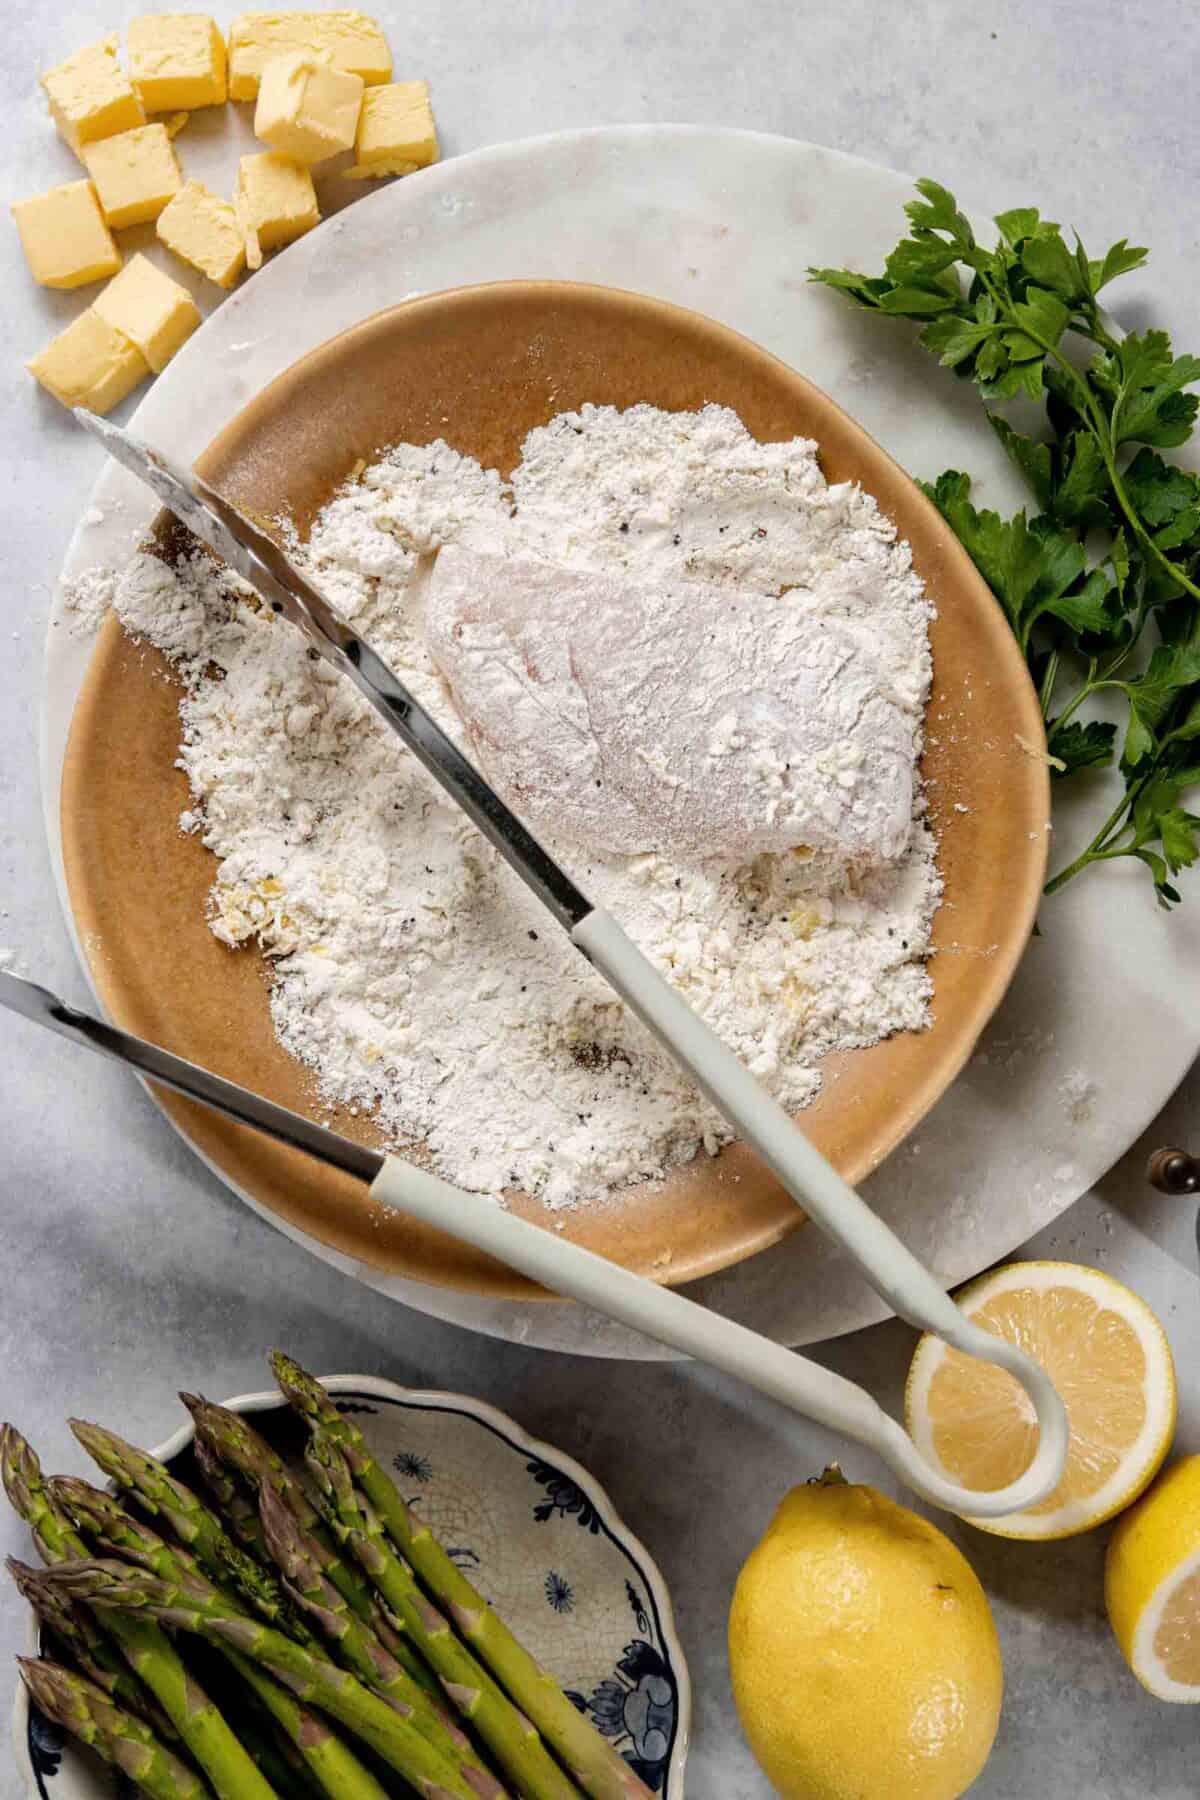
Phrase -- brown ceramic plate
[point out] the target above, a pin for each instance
(482, 366)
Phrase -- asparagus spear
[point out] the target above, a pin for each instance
(91, 1715)
(236, 1443)
(331, 1763)
(596, 1766)
(160, 1493)
(106, 1524)
(190, 1522)
(358, 1647)
(21, 1473)
(234, 1501)
(390, 1638)
(81, 1638)
(146, 1648)
(225, 1447)
(251, 1572)
(508, 1734)
(188, 1605)
(284, 1768)
(391, 1635)
(101, 1519)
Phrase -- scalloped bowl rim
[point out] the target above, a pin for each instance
(271, 1399)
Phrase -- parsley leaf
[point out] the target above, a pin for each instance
(1101, 586)
(1079, 746)
(1118, 260)
(1172, 671)
(1048, 261)
(1144, 383)
(1158, 489)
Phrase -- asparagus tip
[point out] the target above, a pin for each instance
(20, 1469)
(44, 1682)
(299, 1388)
(89, 1434)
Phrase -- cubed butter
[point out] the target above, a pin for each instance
(91, 96)
(352, 41)
(64, 237)
(276, 202)
(204, 231)
(177, 60)
(150, 309)
(396, 132)
(135, 173)
(307, 109)
(90, 364)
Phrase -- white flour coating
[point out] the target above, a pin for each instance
(633, 716)
(413, 972)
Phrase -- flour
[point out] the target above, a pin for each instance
(90, 598)
(413, 972)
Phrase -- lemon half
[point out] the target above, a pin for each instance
(1152, 1584)
(1107, 1355)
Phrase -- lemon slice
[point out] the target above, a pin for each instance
(1152, 1585)
(1107, 1355)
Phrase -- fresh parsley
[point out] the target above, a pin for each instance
(1100, 584)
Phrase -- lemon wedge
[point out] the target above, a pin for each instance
(1107, 1355)
(1152, 1585)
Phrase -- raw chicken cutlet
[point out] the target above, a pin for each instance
(678, 717)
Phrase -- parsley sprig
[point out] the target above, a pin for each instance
(1100, 584)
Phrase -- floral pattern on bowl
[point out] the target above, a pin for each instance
(539, 1538)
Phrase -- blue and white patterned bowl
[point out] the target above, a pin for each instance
(537, 1535)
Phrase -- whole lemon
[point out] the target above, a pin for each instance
(864, 1656)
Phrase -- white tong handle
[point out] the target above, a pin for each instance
(672, 1319)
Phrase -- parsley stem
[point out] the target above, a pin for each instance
(1098, 850)
(1077, 699)
(1060, 880)
(1097, 331)
(1102, 847)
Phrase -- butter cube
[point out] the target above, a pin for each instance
(135, 173)
(205, 232)
(307, 109)
(150, 309)
(91, 96)
(352, 41)
(177, 60)
(396, 132)
(90, 364)
(276, 202)
(64, 237)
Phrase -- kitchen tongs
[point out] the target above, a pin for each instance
(892, 1270)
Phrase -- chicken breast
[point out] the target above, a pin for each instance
(683, 718)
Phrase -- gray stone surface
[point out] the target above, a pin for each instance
(129, 1269)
